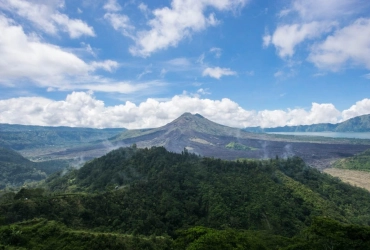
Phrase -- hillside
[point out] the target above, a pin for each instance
(360, 161)
(356, 124)
(15, 170)
(194, 200)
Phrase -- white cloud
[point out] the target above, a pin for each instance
(287, 37)
(25, 56)
(170, 25)
(200, 59)
(83, 109)
(278, 73)
(144, 9)
(112, 5)
(45, 16)
(179, 62)
(106, 85)
(146, 71)
(203, 91)
(163, 73)
(217, 52)
(310, 20)
(74, 27)
(266, 39)
(45, 65)
(218, 72)
(310, 10)
(360, 108)
(120, 23)
(350, 44)
(107, 65)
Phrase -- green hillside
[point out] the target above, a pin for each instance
(358, 162)
(15, 170)
(272, 204)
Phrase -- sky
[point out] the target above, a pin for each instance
(141, 64)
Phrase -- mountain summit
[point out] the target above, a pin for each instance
(197, 123)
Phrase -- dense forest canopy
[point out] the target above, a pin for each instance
(191, 201)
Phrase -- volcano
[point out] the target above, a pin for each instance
(201, 136)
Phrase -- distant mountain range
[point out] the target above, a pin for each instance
(356, 124)
(20, 137)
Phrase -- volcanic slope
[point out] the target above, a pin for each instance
(201, 136)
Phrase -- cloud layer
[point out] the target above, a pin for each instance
(82, 109)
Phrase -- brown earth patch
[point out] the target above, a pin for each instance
(353, 177)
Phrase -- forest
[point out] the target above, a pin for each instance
(135, 198)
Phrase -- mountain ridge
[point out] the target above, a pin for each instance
(355, 124)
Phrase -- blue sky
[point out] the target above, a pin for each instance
(138, 64)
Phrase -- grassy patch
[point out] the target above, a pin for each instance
(353, 177)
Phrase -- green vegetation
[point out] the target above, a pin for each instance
(15, 170)
(182, 201)
(44, 234)
(239, 146)
(358, 162)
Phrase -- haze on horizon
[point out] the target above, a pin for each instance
(141, 64)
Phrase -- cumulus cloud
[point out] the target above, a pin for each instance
(120, 23)
(112, 5)
(218, 72)
(308, 21)
(360, 108)
(350, 44)
(170, 25)
(45, 16)
(287, 37)
(84, 110)
(26, 57)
